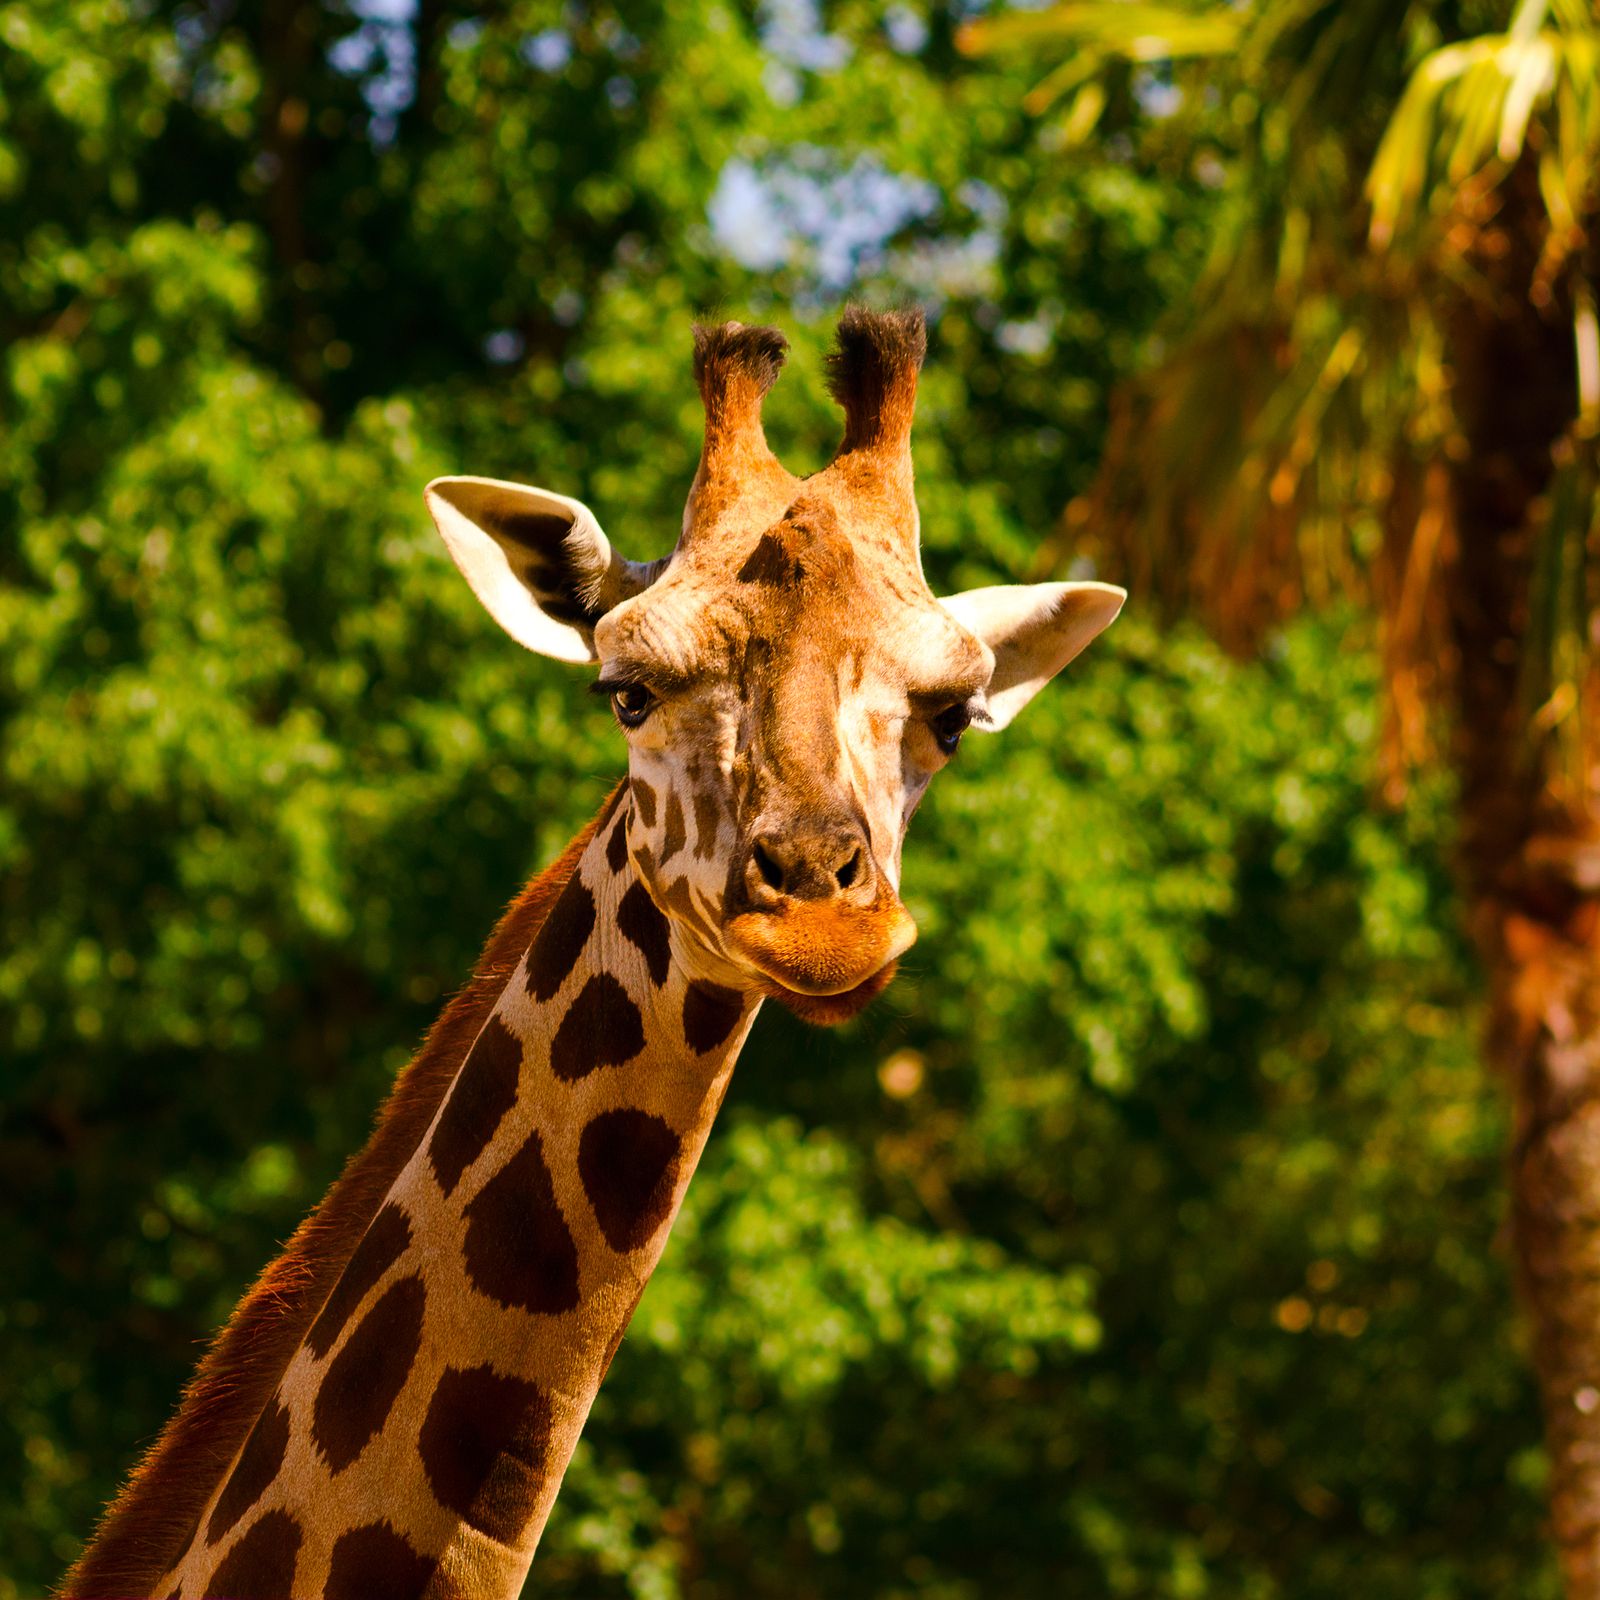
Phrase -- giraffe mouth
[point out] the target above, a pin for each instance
(821, 958)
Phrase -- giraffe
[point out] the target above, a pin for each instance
(390, 1410)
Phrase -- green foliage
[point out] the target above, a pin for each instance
(1140, 1241)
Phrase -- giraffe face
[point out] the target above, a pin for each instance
(786, 703)
(787, 683)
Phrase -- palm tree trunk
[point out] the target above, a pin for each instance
(1549, 1004)
(1531, 855)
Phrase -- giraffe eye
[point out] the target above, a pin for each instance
(950, 724)
(632, 703)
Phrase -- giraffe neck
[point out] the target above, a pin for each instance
(419, 1433)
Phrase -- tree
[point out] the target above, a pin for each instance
(1389, 384)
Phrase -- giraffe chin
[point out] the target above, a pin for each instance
(824, 962)
(829, 1010)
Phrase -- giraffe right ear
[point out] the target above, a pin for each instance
(537, 560)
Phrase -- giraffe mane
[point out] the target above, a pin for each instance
(152, 1520)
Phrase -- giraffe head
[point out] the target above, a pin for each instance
(787, 682)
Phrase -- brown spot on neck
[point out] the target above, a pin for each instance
(602, 1028)
(519, 1250)
(261, 1566)
(617, 843)
(486, 1089)
(485, 1447)
(360, 1388)
(640, 922)
(710, 1014)
(628, 1161)
(376, 1562)
(561, 940)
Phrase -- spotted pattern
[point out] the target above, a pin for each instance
(485, 1090)
(561, 940)
(259, 1461)
(641, 922)
(383, 1244)
(485, 1447)
(603, 1029)
(706, 821)
(710, 1014)
(628, 1161)
(674, 836)
(519, 1250)
(375, 1562)
(645, 798)
(769, 562)
(679, 895)
(261, 1566)
(617, 842)
(365, 1379)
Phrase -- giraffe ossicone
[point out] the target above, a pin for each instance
(391, 1408)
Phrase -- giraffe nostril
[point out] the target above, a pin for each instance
(846, 874)
(771, 872)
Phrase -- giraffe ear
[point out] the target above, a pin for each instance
(1034, 630)
(537, 560)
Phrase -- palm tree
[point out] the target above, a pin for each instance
(1388, 383)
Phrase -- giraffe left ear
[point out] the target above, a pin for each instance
(1034, 630)
(537, 560)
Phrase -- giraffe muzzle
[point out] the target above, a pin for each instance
(823, 947)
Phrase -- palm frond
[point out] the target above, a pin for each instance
(1471, 110)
